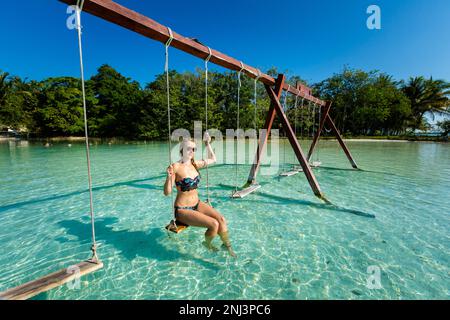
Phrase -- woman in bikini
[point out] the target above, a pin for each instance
(189, 210)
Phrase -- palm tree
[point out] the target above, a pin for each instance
(445, 127)
(5, 87)
(5, 90)
(426, 96)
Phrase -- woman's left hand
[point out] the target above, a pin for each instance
(207, 138)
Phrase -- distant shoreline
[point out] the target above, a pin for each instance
(123, 140)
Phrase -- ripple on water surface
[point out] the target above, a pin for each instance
(393, 214)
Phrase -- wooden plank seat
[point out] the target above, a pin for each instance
(289, 173)
(50, 281)
(245, 192)
(315, 164)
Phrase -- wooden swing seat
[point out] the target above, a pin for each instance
(245, 192)
(289, 173)
(50, 281)
(315, 164)
(176, 227)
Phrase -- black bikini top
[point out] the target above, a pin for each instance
(188, 184)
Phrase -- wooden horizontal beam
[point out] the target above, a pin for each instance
(131, 20)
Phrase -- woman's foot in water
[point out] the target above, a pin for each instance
(208, 244)
(226, 243)
(229, 249)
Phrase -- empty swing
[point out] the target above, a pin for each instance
(253, 186)
(56, 279)
(316, 163)
(298, 167)
(293, 171)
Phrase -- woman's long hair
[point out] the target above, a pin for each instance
(183, 146)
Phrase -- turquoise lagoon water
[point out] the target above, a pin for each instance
(290, 245)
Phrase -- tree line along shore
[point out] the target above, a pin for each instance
(365, 104)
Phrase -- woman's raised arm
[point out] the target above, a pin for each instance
(211, 157)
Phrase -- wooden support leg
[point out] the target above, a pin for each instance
(341, 142)
(267, 126)
(325, 111)
(294, 143)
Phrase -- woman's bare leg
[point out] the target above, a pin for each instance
(223, 228)
(206, 209)
(197, 219)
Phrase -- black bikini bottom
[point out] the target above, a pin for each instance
(185, 208)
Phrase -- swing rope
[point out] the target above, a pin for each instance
(284, 129)
(166, 70)
(316, 126)
(255, 100)
(295, 116)
(314, 119)
(79, 9)
(208, 200)
(309, 119)
(295, 129)
(301, 119)
(237, 126)
(314, 123)
(318, 134)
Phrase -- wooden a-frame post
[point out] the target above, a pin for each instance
(325, 117)
(276, 108)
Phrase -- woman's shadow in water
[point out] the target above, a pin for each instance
(131, 244)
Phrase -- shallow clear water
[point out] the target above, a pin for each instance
(290, 245)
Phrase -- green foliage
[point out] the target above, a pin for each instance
(445, 127)
(62, 109)
(426, 95)
(17, 101)
(363, 103)
(119, 102)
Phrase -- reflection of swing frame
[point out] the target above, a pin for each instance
(120, 15)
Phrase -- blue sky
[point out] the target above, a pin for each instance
(313, 39)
